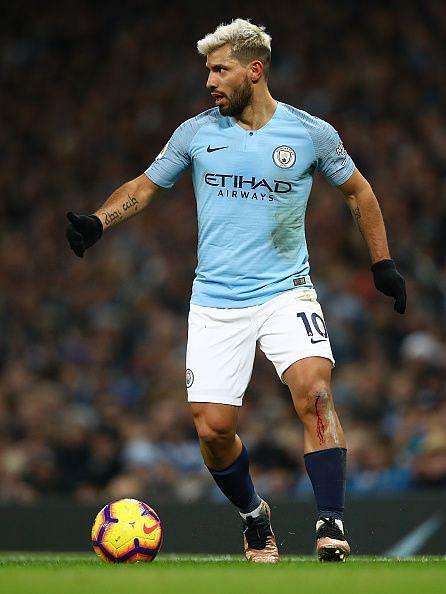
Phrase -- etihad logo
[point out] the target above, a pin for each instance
(228, 181)
(248, 188)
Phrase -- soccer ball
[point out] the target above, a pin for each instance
(125, 531)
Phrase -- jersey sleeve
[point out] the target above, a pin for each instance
(174, 158)
(332, 160)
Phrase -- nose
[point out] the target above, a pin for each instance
(210, 84)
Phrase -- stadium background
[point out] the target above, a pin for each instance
(92, 397)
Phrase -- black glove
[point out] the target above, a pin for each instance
(389, 281)
(82, 232)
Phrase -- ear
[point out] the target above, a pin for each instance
(255, 71)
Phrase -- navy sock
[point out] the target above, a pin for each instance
(327, 470)
(235, 482)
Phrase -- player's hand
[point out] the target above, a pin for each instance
(82, 232)
(389, 281)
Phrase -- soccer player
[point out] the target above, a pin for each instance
(253, 160)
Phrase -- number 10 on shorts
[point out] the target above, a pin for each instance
(317, 322)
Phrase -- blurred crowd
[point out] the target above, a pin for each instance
(92, 395)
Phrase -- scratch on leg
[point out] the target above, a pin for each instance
(326, 424)
(320, 427)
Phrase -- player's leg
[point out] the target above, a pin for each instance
(227, 460)
(224, 454)
(220, 356)
(324, 451)
(294, 337)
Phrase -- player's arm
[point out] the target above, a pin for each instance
(367, 214)
(366, 211)
(126, 201)
(132, 197)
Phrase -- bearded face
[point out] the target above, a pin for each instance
(229, 82)
(237, 101)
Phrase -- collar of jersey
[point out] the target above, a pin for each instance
(274, 116)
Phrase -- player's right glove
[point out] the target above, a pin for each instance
(389, 281)
(82, 232)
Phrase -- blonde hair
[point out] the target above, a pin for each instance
(247, 42)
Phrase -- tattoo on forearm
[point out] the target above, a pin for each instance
(130, 203)
(357, 217)
(111, 216)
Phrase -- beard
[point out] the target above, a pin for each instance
(240, 99)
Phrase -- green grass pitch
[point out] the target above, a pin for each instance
(22, 573)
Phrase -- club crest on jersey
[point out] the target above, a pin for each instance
(284, 156)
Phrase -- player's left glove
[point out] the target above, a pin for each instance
(389, 281)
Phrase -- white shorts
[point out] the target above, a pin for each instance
(222, 343)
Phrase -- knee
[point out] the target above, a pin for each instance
(313, 399)
(213, 432)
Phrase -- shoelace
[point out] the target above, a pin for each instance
(256, 531)
(331, 529)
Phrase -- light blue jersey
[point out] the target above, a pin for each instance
(252, 189)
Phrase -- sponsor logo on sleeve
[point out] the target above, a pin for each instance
(341, 150)
(162, 152)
